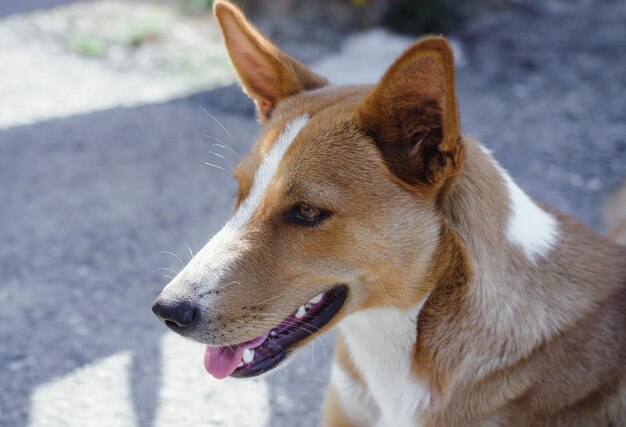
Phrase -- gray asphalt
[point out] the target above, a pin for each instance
(88, 202)
(24, 6)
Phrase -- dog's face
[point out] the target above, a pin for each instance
(336, 210)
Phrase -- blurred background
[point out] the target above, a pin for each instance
(109, 111)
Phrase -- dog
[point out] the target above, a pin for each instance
(457, 299)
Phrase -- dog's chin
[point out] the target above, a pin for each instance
(267, 352)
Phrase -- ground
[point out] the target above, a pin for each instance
(90, 201)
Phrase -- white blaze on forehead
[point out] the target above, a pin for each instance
(529, 227)
(215, 258)
(265, 173)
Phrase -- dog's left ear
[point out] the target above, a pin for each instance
(413, 117)
(267, 74)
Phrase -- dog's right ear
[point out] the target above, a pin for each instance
(413, 117)
(267, 74)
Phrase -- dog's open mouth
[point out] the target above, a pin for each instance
(267, 351)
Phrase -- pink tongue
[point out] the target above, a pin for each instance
(222, 361)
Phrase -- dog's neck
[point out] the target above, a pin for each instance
(495, 218)
(504, 244)
(498, 299)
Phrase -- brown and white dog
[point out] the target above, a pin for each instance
(458, 300)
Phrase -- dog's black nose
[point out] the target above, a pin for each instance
(175, 314)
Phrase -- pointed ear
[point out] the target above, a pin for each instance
(413, 117)
(267, 74)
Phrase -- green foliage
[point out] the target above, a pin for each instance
(87, 45)
(197, 6)
(138, 35)
(131, 35)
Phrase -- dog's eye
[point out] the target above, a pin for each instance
(305, 214)
(309, 212)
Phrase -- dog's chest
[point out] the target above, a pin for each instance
(381, 343)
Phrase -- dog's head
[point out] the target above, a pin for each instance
(337, 209)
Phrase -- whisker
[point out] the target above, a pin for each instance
(220, 125)
(173, 254)
(234, 282)
(214, 138)
(218, 155)
(215, 166)
(190, 251)
(272, 324)
(272, 298)
(321, 341)
(227, 147)
(312, 358)
(384, 292)
(275, 322)
(169, 277)
(282, 349)
(210, 291)
(167, 269)
(222, 144)
(230, 164)
(325, 356)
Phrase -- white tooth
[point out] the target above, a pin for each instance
(240, 364)
(301, 312)
(316, 299)
(248, 355)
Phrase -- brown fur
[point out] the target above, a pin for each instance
(419, 211)
(555, 371)
(268, 74)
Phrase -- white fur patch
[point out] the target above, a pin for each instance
(215, 258)
(381, 342)
(355, 400)
(529, 227)
(265, 173)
